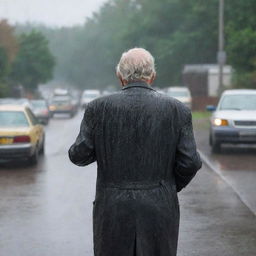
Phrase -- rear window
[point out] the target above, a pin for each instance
(38, 104)
(61, 99)
(13, 119)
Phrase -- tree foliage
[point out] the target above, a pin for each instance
(8, 40)
(241, 41)
(3, 63)
(177, 32)
(3, 71)
(8, 51)
(34, 63)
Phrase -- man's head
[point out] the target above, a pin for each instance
(137, 64)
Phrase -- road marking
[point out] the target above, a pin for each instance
(208, 163)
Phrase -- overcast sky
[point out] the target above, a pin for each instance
(50, 12)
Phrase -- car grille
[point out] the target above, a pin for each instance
(245, 123)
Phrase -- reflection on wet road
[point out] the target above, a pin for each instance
(236, 163)
(47, 209)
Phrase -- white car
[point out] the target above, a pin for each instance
(60, 92)
(234, 119)
(182, 94)
(88, 96)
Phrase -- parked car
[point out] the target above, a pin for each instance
(21, 134)
(7, 101)
(41, 110)
(62, 105)
(24, 102)
(108, 91)
(15, 101)
(76, 97)
(88, 96)
(61, 92)
(234, 119)
(182, 94)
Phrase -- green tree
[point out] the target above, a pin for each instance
(8, 51)
(3, 64)
(3, 71)
(241, 41)
(8, 40)
(34, 63)
(177, 32)
(242, 49)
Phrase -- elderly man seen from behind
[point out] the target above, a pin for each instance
(145, 151)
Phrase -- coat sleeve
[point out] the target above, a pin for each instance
(187, 161)
(82, 152)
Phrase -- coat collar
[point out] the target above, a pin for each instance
(139, 84)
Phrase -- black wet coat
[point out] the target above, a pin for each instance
(145, 150)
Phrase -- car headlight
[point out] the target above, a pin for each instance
(220, 122)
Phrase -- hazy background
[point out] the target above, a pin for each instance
(49, 12)
(87, 38)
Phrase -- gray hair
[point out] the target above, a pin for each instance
(136, 64)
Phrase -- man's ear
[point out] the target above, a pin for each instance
(120, 78)
(153, 77)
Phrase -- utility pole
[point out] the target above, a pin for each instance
(221, 53)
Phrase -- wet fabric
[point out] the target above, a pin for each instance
(145, 150)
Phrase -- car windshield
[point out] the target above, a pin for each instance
(91, 96)
(238, 102)
(38, 104)
(7, 101)
(61, 102)
(178, 93)
(13, 119)
(61, 99)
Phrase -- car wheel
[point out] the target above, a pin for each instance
(216, 146)
(33, 160)
(46, 121)
(210, 140)
(42, 149)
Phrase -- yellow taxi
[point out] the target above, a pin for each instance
(21, 134)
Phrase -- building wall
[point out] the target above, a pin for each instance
(197, 83)
(213, 80)
(203, 82)
(200, 103)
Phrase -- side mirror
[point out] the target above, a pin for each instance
(210, 108)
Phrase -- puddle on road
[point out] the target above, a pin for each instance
(236, 158)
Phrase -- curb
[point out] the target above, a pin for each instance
(208, 163)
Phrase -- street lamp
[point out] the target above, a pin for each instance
(221, 53)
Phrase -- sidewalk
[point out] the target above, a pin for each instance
(214, 221)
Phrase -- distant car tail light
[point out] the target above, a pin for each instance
(21, 139)
(220, 122)
(45, 112)
(52, 108)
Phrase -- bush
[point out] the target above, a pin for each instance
(245, 80)
(4, 90)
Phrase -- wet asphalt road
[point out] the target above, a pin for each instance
(236, 164)
(46, 210)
